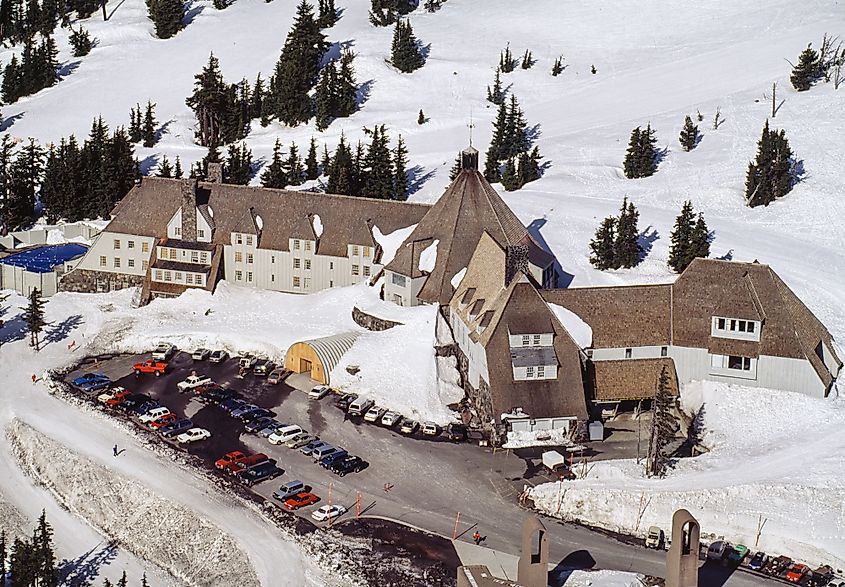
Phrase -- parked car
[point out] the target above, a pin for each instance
(322, 451)
(154, 414)
(337, 454)
(270, 428)
(200, 354)
(176, 428)
(409, 426)
(133, 401)
(258, 424)
(284, 434)
(164, 351)
(300, 440)
(247, 462)
(309, 448)
(374, 414)
(836, 582)
(391, 419)
(263, 367)
(359, 406)
(114, 396)
(456, 432)
(228, 459)
(259, 473)
(326, 512)
(319, 392)
(345, 399)
(251, 415)
(85, 381)
(143, 408)
(157, 368)
(218, 356)
(163, 421)
(230, 405)
(717, 550)
(737, 553)
(218, 395)
(778, 565)
(207, 388)
(192, 382)
(796, 573)
(758, 561)
(243, 409)
(247, 362)
(654, 538)
(348, 464)
(193, 435)
(276, 376)
(820, 576)
(300, 500)
(430, 429)
(289, 489)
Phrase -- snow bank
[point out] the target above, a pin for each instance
(391, 242)
(153, 527)
(317, 223)
(428, 258)
(603, 579)
(580, 331)
(774, 456)
(524, 439)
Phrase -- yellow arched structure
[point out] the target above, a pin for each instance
(319, 356)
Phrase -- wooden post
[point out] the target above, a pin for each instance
(358, 506)
(103, 3)
(455, 531)
(774, 99)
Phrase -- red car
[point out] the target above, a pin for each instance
(797, 572)
(300, 500)
(229, 459)
(151, 366)
(247, 462)
(163, 421)
(118, 398)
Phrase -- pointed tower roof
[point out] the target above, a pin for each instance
(468, 208)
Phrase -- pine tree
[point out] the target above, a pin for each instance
(22, 564)
(456, 169)
(106, 582)
(148, 132)
(25, 175)
(680, 238)
(167, 16)
(122, 582)
(293, 166)
(515, 139)
(421, 117)
(326, 161)
(327, 14)
(506, 61)
(325, 97)
(700, 241)
(663, 427)
(628, 251)
(34, 317)
(496, 95)
(379, 176)
(771, 175)
(43, 545)
(144, 581)
(495, 153)
(311, 170)
(3, 556)
(806, 72)
(647, 152)
(602, 246)
(274, 175)
(405, 55)
(400, 171)
(341, 172)
(593, 70)
(136, 132)
(347, 86)
(387, 12)
(210, 102)
(689, 135)
(11, 81)
(557, 68)
(177, 169)
(165, 169)
(527, 60)
(256, 106)
(528, 169)
(81, 42)
(510, 180)
(238, 165)
(61, 193)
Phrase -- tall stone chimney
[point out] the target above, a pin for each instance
(516, 260)
(469, 159)
(215, 173)
(189, 209)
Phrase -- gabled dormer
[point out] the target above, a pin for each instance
(247, 231)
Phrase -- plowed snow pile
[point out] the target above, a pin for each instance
(152, 527)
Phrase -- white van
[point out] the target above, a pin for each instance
(154, 414)
(284, 434)
(359, 406)
(324, 451)
(288, 489)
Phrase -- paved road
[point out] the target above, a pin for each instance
(428, 481)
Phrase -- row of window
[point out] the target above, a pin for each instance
(732, 325)
(145, 246)
(177, 230)
(734, 362)
(116, 263)
(535, 372)
(177, 277)
(243, 239)
(173, 255)
(297, 244)
(664, 352)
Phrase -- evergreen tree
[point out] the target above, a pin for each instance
(593, 70)
(122, 582)
(274, 175)
(387, 12)
(405, 54)
(164, 168)
(456, 169)
(311, 170)
(663, 427)
(43, 539)
(515, 136)
(506, 61)
(679, 253)
(510, 180)
(400, 171)
(22, 563)
(342, 170)
(238, 165)
(648, 152)
(327, 14)
(11, 81)
(144, 581)
(771, 175)
(167, 16)
(3, 556)
(529, 167)
(603, 245)
(631, 164)
(495, 153)
(293, 166)
(177, 169)
(496, 95)
(81, 42)
(34, 317)
(148, 133)
(325, 97)
(421, 117)
(62, 194)
(700, 241)
(6, 160)
(106, 582)
(806, 72)
(326, 161)
(210, 102)
(689, 135)
(628, 251)
(297, 68)
(347, 86)
(136, 132)
(379, 175)
(25, 176)
(527, 60)
(256, 106)
(557, 68)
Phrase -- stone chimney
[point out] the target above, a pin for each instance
(215, 173)
(469, 159)
(516, 260)
(189, 209)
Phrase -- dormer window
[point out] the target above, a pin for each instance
(467, 297)
(238, 239)
(735, 328)
(476, 308)
(249, 240)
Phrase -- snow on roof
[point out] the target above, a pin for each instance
(210, 211)
(259, 222)
(317, 223)
(391, 242)
(579, 330)
(428, 258)
(456, 279)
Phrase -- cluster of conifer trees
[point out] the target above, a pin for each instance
(641, 156)
(21, 20)
(167, 16)
(616, 243)
(772, 174)
(36, 70)
(405, 53)
(388, 12)
(690, 239)
(510, 158)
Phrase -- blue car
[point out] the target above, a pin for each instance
(238, 412)
(327, 460)
(176, 428)
(232, 404)
(312, 446)
(92, 382)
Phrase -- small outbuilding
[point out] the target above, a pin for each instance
(319, 356)
(39, 267)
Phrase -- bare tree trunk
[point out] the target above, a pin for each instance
(103, 3)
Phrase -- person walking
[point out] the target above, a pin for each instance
(114, 450)
(476, 537)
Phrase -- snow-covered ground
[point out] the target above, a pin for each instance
(776, 462)
(602, 579)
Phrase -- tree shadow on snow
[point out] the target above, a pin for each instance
(727, 256)
(362, 93)
(8, 122)
(799, 174)
(416, 178)
(85, 569)
(68, 68)
(146, 166)
(660, 155)
(564, 279)
(533, 133)
(646, 242)
(335, 51)
(59, 331)
(162, 130)
(425, 51)
(13, 330)
(193, 10)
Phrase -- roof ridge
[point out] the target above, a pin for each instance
(210, 185)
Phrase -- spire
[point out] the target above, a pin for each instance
(469, 159)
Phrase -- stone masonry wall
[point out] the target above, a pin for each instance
(371, 322)
(85, 281)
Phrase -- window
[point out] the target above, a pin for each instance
(239, 257)
(296, 244)
(355, 270)
(739, 363)
(130, 262)
(249, 240)
(239, 239)
(366, 270)
(354, 250)
(296, 263)
(296, 281)
(331, 265)
(195, 257)
(145, 247)
(272, 278)
(628, 353)
(307, 245)
(204, 258)
(189, 279)
(331, 283)
(308, 263)
(239, 276)
(249, 257)
(168, 276)
(366, 251)
(103, 261)
(145, 265)
(529, 372)
(272, 258)
(664, 351)
(526, 340)
(307, 283)
(201, 233)
(158, 275)
(398, 279)
(750, 327)
(177, 231)
(130, 244)
(733, 325)
(249, 276)
(536, 340)
(173, 254)
(541, 372)
(177, 276)
(116, 244)
(117, 261)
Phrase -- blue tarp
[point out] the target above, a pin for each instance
(45, 259)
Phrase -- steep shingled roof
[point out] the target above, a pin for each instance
(148, 207)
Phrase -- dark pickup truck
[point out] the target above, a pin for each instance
(259, 473)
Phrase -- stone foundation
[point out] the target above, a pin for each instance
(371, 322)
(88, 281)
